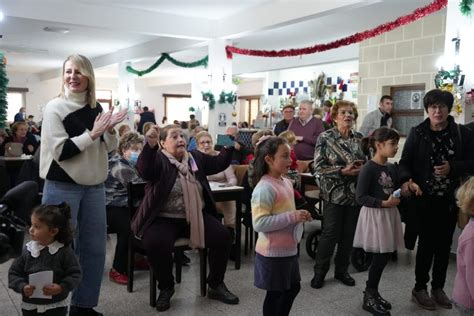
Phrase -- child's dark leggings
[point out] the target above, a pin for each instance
(59, 311)
(379, 261)
(278, 303)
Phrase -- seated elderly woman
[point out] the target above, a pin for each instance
(121, 171)
(20, 134)
(178, 201)
(226, 178)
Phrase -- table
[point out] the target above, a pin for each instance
(231, 193)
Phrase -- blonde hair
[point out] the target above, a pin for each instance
(16, 125)
(202, 134)
(124, 128)
(86, 69)
(465, 197)
(340, 104)
(146, 127)
(290, 137)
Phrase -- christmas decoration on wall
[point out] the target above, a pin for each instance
(191, 109)
(3, 91)
(349, 40)
(201, 62)
(318, 88)
(465, 7)
(224, 97)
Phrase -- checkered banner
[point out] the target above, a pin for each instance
(287, 87)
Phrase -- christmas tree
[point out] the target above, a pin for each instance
(3, 91)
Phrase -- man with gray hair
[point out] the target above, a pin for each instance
(307, 129)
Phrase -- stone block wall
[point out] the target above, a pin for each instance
(406, 55)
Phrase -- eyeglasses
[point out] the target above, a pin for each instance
(434, 107)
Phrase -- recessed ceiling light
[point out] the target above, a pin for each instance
(56, 29)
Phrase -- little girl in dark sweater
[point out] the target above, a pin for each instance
(379, 228)
(49, 250)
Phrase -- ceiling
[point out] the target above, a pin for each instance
(114, 31)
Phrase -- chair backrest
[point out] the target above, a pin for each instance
(21, 199)
(136, 192)
(240, 171)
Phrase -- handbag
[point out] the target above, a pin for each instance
(13, 149)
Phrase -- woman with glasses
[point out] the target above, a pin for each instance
(338, 159)
(437, 154)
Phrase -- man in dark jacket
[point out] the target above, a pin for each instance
(288, 115)
(145, 116)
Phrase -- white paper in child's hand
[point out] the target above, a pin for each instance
(40, 280)
(298, 232)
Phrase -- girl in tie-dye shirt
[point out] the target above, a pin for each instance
(279, 226)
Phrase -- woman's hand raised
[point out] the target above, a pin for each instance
(152, 135)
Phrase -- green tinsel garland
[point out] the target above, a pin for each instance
(209, 98)
(465, 7)
(3, 91)
(164, 56)
(223, 98)
(227, 97)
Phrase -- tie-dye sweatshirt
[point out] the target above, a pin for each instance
(274, 217)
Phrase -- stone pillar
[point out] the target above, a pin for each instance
(459, 26)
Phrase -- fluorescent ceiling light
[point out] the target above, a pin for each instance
(56, 29)
(1, 16)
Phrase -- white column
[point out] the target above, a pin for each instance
(462, 27)
(126, 92)
(220, 76)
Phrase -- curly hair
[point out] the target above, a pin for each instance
(127, 141)
(340, 104)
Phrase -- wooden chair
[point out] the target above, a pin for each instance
(136, 191)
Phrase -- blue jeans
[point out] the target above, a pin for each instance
(89, 221)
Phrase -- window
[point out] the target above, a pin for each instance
(177, 107)
(408, 108)
(251, 107)
(16, 98)
(104, 97)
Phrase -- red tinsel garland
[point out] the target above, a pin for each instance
(352, 39)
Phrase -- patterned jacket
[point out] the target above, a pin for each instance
(333, 153)
(121, 172)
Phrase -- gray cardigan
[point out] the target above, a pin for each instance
(372, 122)
(66, 272)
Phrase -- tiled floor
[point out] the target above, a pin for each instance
(333, 299)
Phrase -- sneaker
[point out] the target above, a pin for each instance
(221, 293)
(373, 306)
(440, 297)
(422, 299)
(83, 311)
(118, 277)
(163, 301)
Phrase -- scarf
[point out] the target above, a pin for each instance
(191, 196)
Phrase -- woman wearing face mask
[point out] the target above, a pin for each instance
(121, 172)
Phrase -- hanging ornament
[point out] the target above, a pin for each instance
(234, 114)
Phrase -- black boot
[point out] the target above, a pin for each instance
(318, 280)
(372, 305)
(386, 304)
(163, 301)
(82, 311)
(221, 293)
